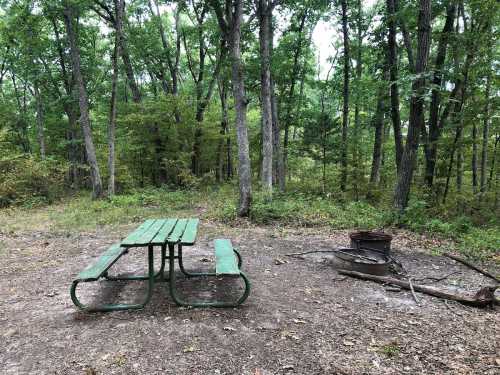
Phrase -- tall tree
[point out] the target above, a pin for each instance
(408, 160)
(264, 13)
(70, 13)
(485, 133)
(393, 69)
(345, 96)
(434, 130)
(230, 22)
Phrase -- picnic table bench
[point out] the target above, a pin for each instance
(165, 234)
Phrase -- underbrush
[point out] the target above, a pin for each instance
(220, 203)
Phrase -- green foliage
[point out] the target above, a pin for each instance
(30, 182)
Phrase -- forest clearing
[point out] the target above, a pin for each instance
(327, 170)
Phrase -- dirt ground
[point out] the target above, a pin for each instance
(301, 316)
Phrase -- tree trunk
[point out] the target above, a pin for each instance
(486, 126)
(112, 111)
(264, 9)
(278, 174)
(39, 120)
(434, 130)
(83, 103)
(345, 96)
(378, 123)
(408, 160)
(222, 83)
(474, 158)
(358, 173)
(393, 71)
(460, 158)
(291, 96)
(241, 102)
(230, 21)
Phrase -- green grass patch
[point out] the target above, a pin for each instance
(292, 209)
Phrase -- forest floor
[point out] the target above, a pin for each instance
(301, 316)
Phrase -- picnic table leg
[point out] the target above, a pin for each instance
(160, 275)
(180, 302)
(124, 306)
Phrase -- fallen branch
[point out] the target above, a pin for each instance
(470, 265)
(436, 279)
(299, 255)
(484, 297)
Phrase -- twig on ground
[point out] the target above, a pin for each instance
(470, 265)
(413, 292)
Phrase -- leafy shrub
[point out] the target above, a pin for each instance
(30, 182)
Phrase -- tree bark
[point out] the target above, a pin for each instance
(39, 120)
(278, 174)
(358, 173)
(112, 111)
(474, 158)
(231, 28)
(95, 175)
(345, 96)
(393, 71)
(434, 130)
(264, 12)
(486, 126)
(408, 160)
(378, 124)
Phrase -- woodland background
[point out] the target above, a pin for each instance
(150, 103)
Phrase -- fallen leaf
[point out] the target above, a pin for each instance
(189, 349)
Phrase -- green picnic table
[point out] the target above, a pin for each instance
(165, 235)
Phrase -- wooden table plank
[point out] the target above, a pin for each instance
(176, 234)
(164, 232)
(189, 235)
(131, 239)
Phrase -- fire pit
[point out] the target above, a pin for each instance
(363, 260)
(375, 241)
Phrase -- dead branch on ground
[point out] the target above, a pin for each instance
(484, 297)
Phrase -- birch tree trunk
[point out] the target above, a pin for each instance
(95, 175)
(407, 167)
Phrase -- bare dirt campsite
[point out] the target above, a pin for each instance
(259, 187)
(302, 317)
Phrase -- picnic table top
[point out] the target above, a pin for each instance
(158, 232)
